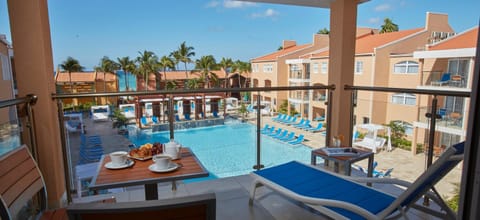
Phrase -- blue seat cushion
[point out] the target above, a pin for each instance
(311, 182)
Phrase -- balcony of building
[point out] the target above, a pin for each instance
(231, 156)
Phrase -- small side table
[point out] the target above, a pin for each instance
(347, 161)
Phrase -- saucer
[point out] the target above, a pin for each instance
(171, 167)
(112, 166)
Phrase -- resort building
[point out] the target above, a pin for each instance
(272, 69)
(446, 65)
(87, 82)
(6, 81)
(378, 60)
(381, 60)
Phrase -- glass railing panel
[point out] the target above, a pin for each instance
(404, 127)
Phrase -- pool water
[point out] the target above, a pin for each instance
(229, 150)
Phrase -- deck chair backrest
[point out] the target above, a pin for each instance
(191, 207)
(20, 180)
(442, 166)
(445, 77)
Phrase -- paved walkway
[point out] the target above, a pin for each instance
(405, 165)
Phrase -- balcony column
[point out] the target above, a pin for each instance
(343, 19)
(34, 69)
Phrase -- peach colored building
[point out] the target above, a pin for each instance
(87, 82)
(452, 59)
(272, 69)
(7, 92)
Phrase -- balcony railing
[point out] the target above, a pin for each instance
(440, 79)
(251, 141)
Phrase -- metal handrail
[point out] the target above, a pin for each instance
(169, 94)
(405, 90)
(188, 91)
(29, 100)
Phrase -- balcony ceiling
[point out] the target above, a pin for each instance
(309, 3)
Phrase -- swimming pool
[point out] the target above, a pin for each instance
(229, 150)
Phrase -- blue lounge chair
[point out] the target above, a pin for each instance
(319, 118)
(187, 117)
(318, 128)
(299, 123)
(265, 128)
(305, 124)
(286, 119)
(444, 80)
(155, 119)
(292, 120)
(281, 135)
(279, 117)
(144, 121)
(381, 174)
(177, 118)
(269, 130)
(289, 137)
(277, 132)
(299, 140)
(341, 197)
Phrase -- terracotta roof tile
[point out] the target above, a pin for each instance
(76, 77)
(467, 39)
(109, 77)
(367, 44)
(276, 54)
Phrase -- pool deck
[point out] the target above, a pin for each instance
(406, 166)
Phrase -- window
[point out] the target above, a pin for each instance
(406, 67)
(358, 67)
(5, 67)
(404, 99)
(315, 68)
(267, 68)
(366, 120)
(254, 68)
(255, 83)
(324, 68)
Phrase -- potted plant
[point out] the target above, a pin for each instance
(243, 111)
(120, 122)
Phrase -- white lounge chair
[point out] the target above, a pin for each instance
(370, 143)
(342, 197)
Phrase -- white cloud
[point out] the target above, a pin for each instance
(267, 13)
(382, 7)
(237, 4)
(374, 20)
(212, 4)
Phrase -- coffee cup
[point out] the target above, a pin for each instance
(161, 161)
(119, 158)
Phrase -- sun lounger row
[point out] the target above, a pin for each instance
(282, 135)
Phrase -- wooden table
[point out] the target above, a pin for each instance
(347, 161)
(139, 174)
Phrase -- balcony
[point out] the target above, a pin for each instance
(231, 185)
(444, 81)
(297, 76)
(447, 121)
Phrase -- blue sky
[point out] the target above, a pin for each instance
(89, 29)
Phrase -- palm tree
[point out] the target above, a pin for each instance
(193, 83)
(323, 31)
(176, 58)
(165, 63)
(106, 66)
(388, 26)
(71, 65)
(126, 65)
(147, 63)
(171, 85)
(226, 64)
(241, 67)
(185, 52)
(205, 65)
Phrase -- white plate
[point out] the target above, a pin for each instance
(112, 166)
(141, 158)
(171, 167)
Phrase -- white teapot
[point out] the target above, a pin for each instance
(172, 149)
